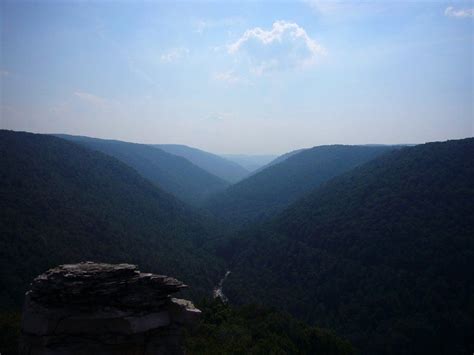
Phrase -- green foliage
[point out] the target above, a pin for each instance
(169, 172)
(252, 329)
(271, 190)
(383, 254)
(223, 329)
(63, 203)
(9, 332)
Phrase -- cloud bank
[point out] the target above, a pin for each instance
(286, 44)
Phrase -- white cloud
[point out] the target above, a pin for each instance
(459, 13)
(286, 44)
(174, 54)
(277, 32)
(4, 73)
(229, 77)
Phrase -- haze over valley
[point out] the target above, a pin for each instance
(302, 173)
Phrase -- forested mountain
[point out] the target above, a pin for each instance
(381, 250)
(383, 254)
(172, 173)
(279, 159)
(62, 203)
(212, 163)
(250, 162)
(252, 329)
(271, 190)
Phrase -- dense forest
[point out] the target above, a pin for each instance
(269, 191)
(254, 329)
(201, 177)
(373, 243)
(383, 254)
(62, 203)
(170, 172)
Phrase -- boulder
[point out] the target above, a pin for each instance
(95, 308)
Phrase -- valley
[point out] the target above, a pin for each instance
(257, 177)
(343, 237)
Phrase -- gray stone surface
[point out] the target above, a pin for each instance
(93, 308)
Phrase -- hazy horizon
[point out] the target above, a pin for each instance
(236, 154)
(250, 78)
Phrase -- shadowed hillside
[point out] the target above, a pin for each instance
(279, 159)
(61, 202)
(271, 190)
(173, 174)
(382, 254)
(253, 329)
(214, 164)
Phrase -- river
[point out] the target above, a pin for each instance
(217, 293)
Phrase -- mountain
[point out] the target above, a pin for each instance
(279, 159)
(271, 190)
(173, 174)
(250, 162)
(64, 203)
(383, 254)
(214, 164)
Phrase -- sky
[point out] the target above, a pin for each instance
(247, 77)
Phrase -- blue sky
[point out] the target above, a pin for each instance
(240, 77)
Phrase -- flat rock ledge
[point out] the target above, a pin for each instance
(94, 308)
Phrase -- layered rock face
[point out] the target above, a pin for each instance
(92, 308)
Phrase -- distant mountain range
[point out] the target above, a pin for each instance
(383, 254)
(292, 176)
(170, 172)
(62, 202)
(250, 162)
(278, 159)
(223, 168)
(374, 242)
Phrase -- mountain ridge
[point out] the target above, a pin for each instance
(172, 173)
(217, 165)
(382, 254)
(62, 202)
(269, 191)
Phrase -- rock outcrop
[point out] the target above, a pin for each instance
(92, 308)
